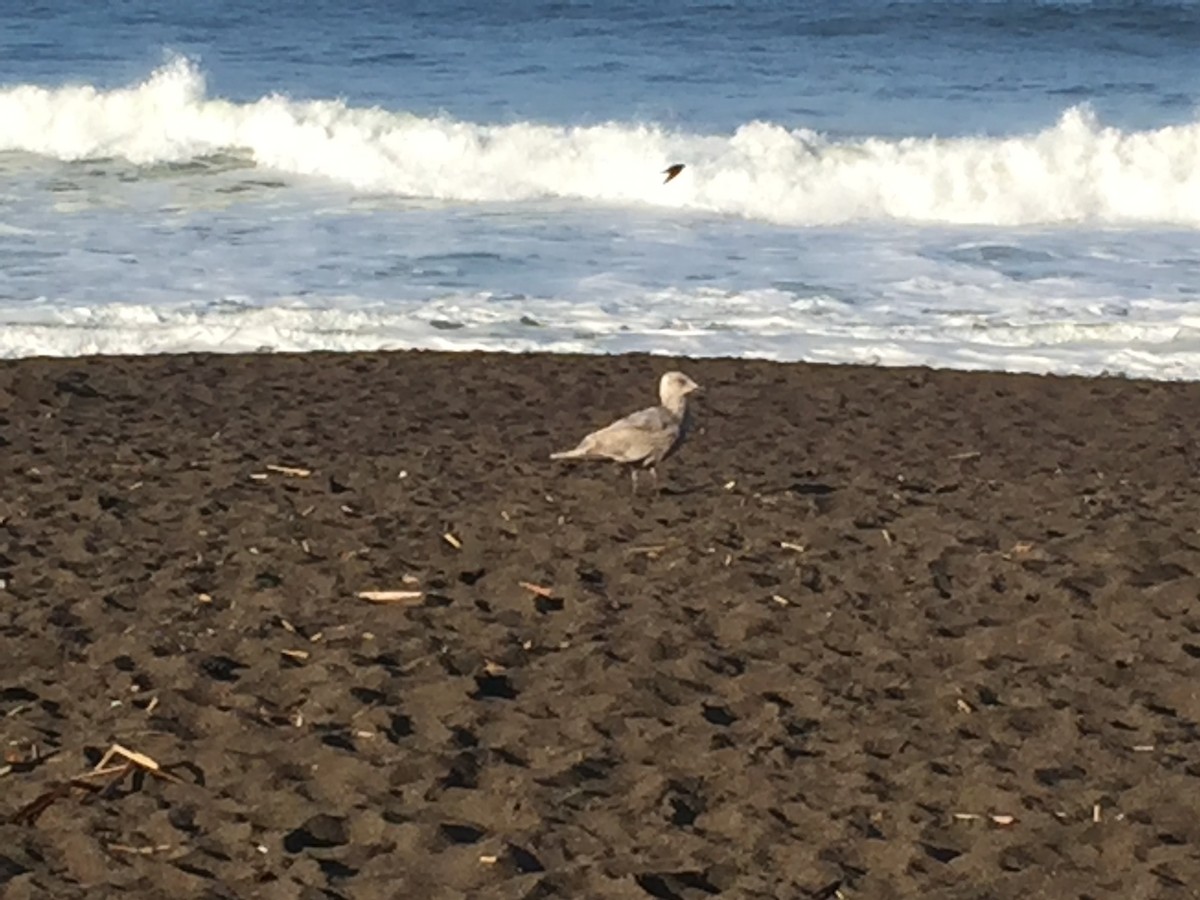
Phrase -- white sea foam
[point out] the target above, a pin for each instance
(140, 254)
(1077, 171)
(765, 324)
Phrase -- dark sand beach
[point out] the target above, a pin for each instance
(893, 633)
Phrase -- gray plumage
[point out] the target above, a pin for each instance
(644, 438)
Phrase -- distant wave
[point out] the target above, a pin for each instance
(1076, 171)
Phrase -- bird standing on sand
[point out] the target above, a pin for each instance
(644, 438)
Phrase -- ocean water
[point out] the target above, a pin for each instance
(999, 184)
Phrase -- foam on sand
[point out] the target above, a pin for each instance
(783, 329)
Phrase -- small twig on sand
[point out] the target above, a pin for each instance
(405, 598)
(138, 760)
(452, 540)
(536, 589)
(292, 471)
(29, 813)
(139, 851)
(998, 819)
(966, 454)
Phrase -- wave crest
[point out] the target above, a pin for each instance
(1075, 171)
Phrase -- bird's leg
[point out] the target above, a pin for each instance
(633, 477)
(654, 477)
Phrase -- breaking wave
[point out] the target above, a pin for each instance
(1075, 171)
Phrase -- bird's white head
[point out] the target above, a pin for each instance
(674, 387)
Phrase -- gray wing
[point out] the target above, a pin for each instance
(644, 436)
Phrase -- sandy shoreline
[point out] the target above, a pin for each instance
(869, 605)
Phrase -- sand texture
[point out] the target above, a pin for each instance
(865, 606)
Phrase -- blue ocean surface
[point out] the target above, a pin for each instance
(1001, 185)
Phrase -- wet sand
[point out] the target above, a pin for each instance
(893, 633)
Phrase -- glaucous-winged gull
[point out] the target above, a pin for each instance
(645, 438)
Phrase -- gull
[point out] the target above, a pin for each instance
(644, 438)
